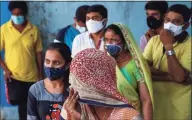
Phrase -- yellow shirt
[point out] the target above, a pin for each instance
(172, 101)
(20, 51)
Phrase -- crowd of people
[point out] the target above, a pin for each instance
(95, 71)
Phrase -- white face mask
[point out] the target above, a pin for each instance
(176, 30)
(80, 29)
(94, 26)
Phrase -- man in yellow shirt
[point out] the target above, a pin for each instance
(169, 55)
(23, 56)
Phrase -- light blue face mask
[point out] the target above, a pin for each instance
(112, 49)
(18, 20)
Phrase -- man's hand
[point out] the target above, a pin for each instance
(166, 38)
(149, 34)
(7, 75)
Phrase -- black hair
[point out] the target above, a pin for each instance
(81, 13)
(117, 31)
(98, 8)
(63, 49)
(65, 52)
(161, 6)
(182, 10)
(18, 4)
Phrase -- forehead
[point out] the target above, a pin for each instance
(17, 10)
(53, 55)
(92, 14)
(149, 11)
(110, 33)
(174, 15)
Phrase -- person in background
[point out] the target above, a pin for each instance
(93, 81)
(133, 74)
(96, 20)
(67, 34)
(46, 97)
(23, 56)
(169, 55)
(155, 11)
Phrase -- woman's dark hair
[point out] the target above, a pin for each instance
(161, 6)
(18, 4)
(98, 8)
(65, 52)
(117, 31)
(182, 10)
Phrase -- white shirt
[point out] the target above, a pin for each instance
(143, 43)
(84, 41)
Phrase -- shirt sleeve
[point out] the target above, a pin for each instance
(60, 35)
(147, 54)
(32, 112)
(38, 44)
(2, 40)
(185, 59)
(75, 46)
(143, 42)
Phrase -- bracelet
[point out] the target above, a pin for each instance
(170, 52)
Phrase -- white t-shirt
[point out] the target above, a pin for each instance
(84, 41)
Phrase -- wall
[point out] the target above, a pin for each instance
(52, 16)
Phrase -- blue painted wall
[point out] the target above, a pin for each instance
(5, 16)
(52, 16)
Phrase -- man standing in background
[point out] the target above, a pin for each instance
(155, 11)
(96, 20)
(169, 56)
(68, 33)
(23, 56)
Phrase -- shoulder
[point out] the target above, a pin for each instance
(83, 36)
(36, 87)
(188, 41)
(63, 30)
(155, 39)
(34, 28)
(5, 25)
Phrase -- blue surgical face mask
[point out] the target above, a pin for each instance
(54, 73)
(113, 49)
(18, 20)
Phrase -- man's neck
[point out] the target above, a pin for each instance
(181, 37)
(21, 26)
(158, 30)
(97, 36)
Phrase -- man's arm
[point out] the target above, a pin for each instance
(8, 73)
(40, 64)
(38, 52)
(175, 69)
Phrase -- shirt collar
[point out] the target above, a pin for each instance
(181, 41)
(89, 34)
(10, 24)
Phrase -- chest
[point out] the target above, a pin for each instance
(49, 110)
(13, 38)
(160, 58)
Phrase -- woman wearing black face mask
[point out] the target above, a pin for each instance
(46, 97)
